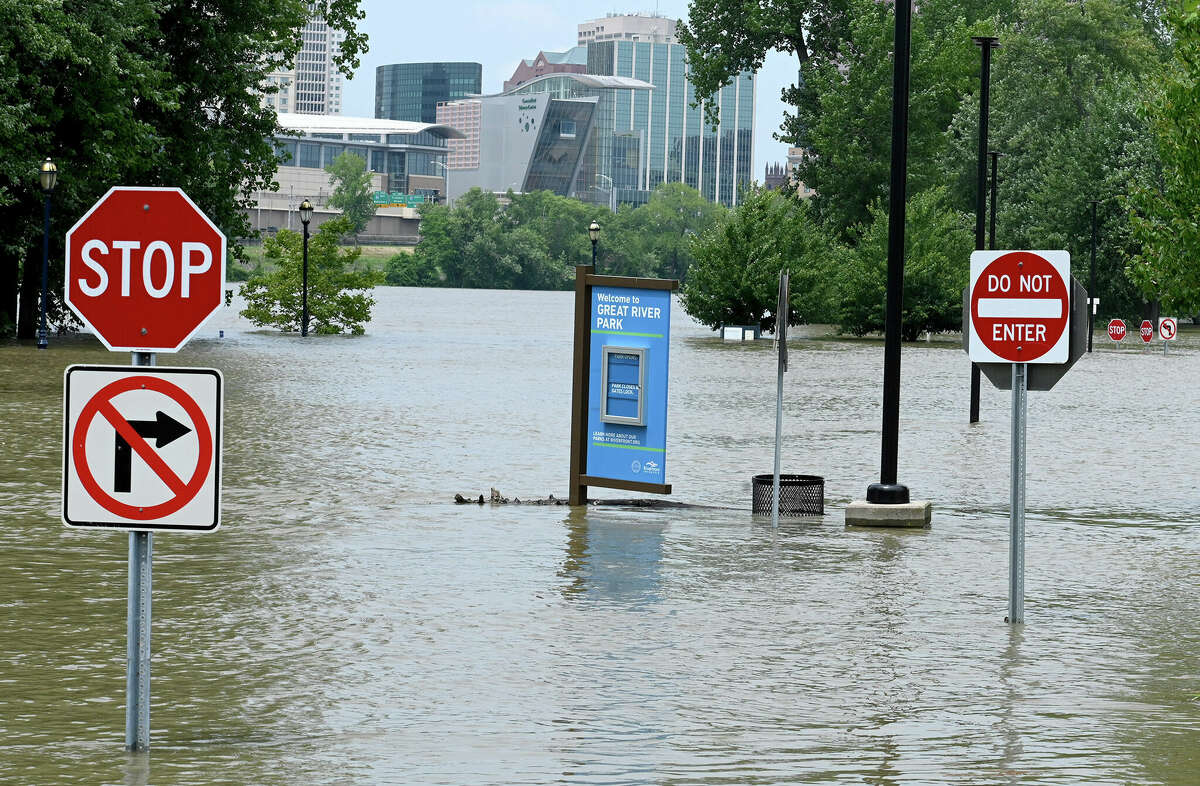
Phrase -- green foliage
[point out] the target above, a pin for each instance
(1166, 219)
(938, 242)
(352, 192)
(536, 240)
(140, 92)
(734, 280)
(339, 301)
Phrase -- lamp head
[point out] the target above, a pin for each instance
(48, 175)
(594, 231)
(306, 211)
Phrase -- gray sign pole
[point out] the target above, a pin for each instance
(137, 671)
(1016, 516)
(781, 320)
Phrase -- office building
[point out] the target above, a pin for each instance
(572, 61)
(412, 91)
(678, 144)
(313, 85)
(553, 133)
(652, 29)
(404, 158)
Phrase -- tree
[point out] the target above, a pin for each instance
(734, 280)
(140, 92)
(658, 234)
(1165, 221)
(338, 299)
(938, 241)
(352, 193)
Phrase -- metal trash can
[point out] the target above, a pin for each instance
(799, 495)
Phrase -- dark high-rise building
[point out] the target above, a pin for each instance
(411, 91)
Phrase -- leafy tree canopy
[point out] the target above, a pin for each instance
(536, 240)
(140, 92)
(339, 301)
(352, 193)
(1167, 266)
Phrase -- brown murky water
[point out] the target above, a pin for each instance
(349, 625)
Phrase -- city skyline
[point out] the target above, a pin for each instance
(501, 34)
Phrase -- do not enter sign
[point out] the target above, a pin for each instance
(1020, 306)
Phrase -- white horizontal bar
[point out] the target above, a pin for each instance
(1020, 307)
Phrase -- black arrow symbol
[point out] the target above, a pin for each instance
(164, 429)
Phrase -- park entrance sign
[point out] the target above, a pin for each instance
(145, 269)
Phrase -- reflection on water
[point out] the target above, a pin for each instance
(348, 624)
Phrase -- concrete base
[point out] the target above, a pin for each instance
(915, 515)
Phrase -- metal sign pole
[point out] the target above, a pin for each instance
(781, 320)
(137, 671)
(1016, 519)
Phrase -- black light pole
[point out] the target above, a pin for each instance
(888, 490)
(594, 234)
(986, 44)
(1092, 281)
(306, 211)
(992, 206)
(49, 177)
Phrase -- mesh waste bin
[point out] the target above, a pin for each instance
(799, 495)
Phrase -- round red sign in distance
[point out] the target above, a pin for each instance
(109, 286)
(1020, 339)
(1147, 331)
(79, 453)
(1116, 329)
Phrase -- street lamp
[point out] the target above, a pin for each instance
(49, 177)
(594, 234)
(306, 211)
(986, 44)
(445, 180)
(612, 193)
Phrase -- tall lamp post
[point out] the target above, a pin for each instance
(612, 193)
(1092, 276)
(306, 211)
(49, 177)
(986, 45)
(445, 180)
(594, 234)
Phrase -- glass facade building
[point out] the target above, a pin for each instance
(609, 172)
(678, 145)
(411, 91)
(410, 156)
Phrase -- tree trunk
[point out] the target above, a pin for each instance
(10, 269)
(31, 287)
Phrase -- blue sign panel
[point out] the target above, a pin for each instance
(627, 404)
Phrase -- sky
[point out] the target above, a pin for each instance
(500, 33)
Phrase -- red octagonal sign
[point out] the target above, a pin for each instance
(145, 269)
(1020, 306)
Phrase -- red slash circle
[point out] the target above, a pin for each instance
(101, 404)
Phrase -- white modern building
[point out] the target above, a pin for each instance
(313, 86)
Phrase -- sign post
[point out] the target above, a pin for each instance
(1168, 328)
(145, 268)
(1019, 311)
(782, 310)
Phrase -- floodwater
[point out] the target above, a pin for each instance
(348, 624)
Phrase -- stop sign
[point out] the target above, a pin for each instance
(145, 269)
(1147, 331)
(1020, 306)
(1116, 329)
